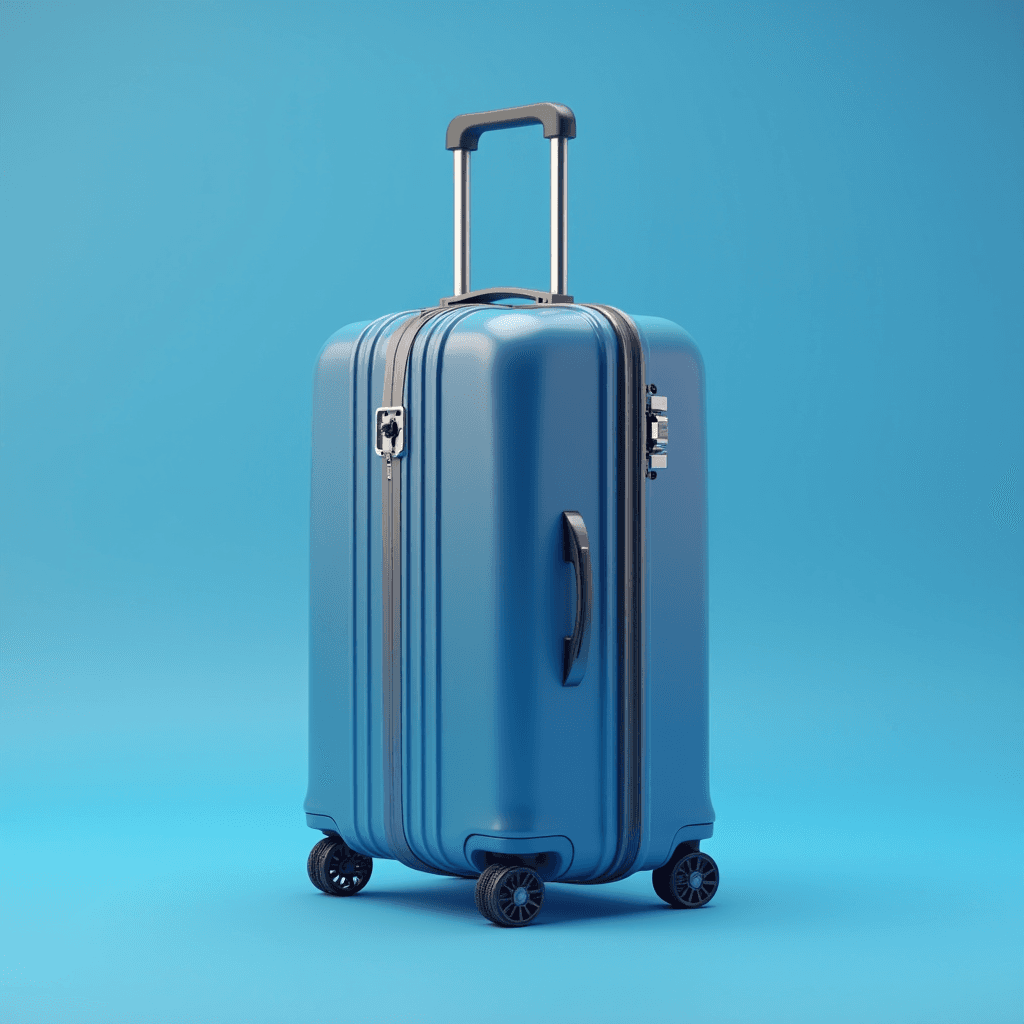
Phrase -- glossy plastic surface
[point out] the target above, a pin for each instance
(511, 421)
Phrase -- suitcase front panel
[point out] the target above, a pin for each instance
(521, 407)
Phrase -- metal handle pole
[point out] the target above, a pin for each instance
(461, 247)
(559, 217)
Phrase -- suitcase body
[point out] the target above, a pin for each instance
(463, 733)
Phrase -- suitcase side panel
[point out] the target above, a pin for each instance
(676, 787)
(345, 725)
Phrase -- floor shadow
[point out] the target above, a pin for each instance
(587, 902)
(562, 902)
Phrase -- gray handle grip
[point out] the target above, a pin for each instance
(465, 130)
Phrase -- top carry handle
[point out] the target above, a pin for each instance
(463, 137)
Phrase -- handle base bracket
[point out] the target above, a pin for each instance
(486, 295)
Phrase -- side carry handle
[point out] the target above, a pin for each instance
(463, 137)
(576, 549)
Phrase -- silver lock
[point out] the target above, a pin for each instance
(390, 431)
(657, 430)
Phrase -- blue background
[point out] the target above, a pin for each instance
(828, 197)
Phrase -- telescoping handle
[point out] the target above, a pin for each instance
(463, 137)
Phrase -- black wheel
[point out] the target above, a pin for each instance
(336, 869)
(509, 895)
(687, 881)
(481, 886)
(311, 861)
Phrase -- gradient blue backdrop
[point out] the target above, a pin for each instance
(829, 197)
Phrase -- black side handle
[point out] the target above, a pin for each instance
(465, 130)
(577, 550)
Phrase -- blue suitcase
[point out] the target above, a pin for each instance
(508, 587)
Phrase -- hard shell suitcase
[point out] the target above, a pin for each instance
(508, 587)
